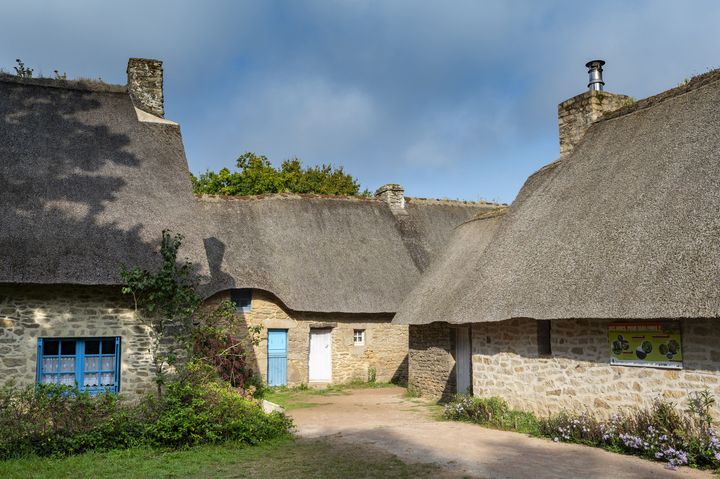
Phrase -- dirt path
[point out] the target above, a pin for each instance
(382, 418)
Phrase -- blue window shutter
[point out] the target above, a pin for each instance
(38, 370)
(80, 364)
(117, 364)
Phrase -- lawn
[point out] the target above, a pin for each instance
(302, 397)
(287, 458)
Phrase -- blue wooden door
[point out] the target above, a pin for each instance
(277, 357)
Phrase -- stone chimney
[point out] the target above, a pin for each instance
(145, 85)
(577, 114)
(394, 196)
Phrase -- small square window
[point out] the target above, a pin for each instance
(359, 337)
(242, 299)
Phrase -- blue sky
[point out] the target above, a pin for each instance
(452, 99)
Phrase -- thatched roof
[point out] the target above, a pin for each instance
(326, 254)
(84, 185)
(627, 226)
(88, 182)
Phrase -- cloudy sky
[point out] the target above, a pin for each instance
(452, 99)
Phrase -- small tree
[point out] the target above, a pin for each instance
(165, 300)
(257, 176)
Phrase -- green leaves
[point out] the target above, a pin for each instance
(257, 176)
(166, 300)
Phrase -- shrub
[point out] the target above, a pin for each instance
(661, 431)
(192, 413)
(493, 411)
(52, 420)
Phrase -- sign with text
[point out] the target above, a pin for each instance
(655, 345)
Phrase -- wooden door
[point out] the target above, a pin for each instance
(277, 357)
(320, 356)
(463, 369)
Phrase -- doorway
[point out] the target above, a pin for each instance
(320, 356)
(277, 357)
(463, 367)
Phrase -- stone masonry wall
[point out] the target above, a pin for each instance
(430, 359)
(577, 114)
(385, 346)
(30, 312)
(578, 375)
(145, 85)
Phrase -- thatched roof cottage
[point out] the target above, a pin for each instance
(599, 286)
(91, 173)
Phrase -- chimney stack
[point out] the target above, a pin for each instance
(394, 195)
(579, 112)
(145, 85)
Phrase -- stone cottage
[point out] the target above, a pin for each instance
(91, 173)
(599, 286)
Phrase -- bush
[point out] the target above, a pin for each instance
(52, 420)
(660, 432)
(493, 412)
(190, 414)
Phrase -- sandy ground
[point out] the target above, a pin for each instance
(382, 418)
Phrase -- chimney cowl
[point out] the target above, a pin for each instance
(595, 73)
(145, 85)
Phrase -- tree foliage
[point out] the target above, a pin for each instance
(257, 176)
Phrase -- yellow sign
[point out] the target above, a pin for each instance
(655, 345)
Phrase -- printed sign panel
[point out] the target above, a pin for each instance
(654, 345)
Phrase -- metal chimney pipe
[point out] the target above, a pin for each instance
(595, 72)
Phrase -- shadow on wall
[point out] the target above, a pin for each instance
(71, 185)
(215, 251)
(586, 340)
(400, 377)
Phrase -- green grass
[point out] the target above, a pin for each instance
(281, 459)
(301, 396)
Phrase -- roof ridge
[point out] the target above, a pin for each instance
(413, 199)
(280, 196)
(695, 83)
(80, 85)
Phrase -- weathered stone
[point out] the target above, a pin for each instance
(384, 351)
(508, 365)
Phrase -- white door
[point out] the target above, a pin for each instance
(463, 371)
(320, 356)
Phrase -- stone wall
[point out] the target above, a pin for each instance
(430, 359)
(385, 346)
(578, 375)
(30, 312)
(577, 114)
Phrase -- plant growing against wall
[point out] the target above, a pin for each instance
(165, 300)
(214, 342)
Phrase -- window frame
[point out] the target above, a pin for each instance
(80, 356)
(238, 295)
(362, 337)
